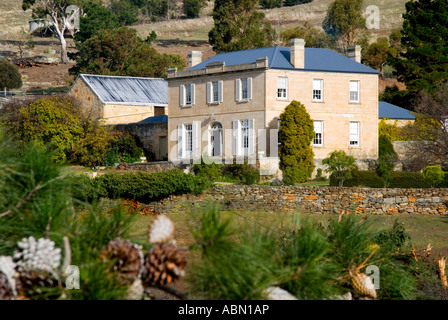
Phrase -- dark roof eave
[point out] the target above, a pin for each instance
(322, 70)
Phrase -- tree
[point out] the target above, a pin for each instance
(377, 54)
(434, 175)
(386, 160)
(344, 21)
(10, 76)
(125, 11)
(340, 165)
(423, 64)
(96, 18)
(288, 3)
(296, 134)
(192, 8)
(61, 18)
(239, 26)
(270, 4)
(314, 38)
(121, 52)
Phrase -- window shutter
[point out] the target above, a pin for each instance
(180, 141)
(251, 136)
(249, 88)
(209, 92)
(195, 136)
(193, 94)
(182, 95)
(238, 90)
(220, 85)
(236, 137)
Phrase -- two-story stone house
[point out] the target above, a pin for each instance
(220, 106)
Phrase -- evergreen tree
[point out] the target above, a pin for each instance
(192, 8)
(344, 21)
(296, 134)
(314, 37)
(424, 61)
(239, 26)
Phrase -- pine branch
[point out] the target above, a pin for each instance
(23, 201)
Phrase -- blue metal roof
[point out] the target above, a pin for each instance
(390, 111)
(316, 59)
(156, 119)
(128, 90)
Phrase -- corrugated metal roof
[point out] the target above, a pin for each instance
(156, 119)
(390, 111)
(128, 90)
(316, 59)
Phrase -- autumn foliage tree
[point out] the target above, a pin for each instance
(296, 134)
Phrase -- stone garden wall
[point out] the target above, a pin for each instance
(315, 200)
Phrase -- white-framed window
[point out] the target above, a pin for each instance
(354, 91)
(318, 90)
(187, 140)
(243, 89)
(243, 137)
(187, 95)
(318, 133)
(282, 86)
(214, 92)
(354, 133)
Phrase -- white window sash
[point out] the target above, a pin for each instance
(354, 91)
(318, 90)
(354, 134)
(318, 130)
(282, 83)
(182, 97)
(236, 137)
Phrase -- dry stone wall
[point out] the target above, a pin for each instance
(315, 200)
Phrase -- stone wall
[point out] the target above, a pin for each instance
(152, 135)
(315, 200)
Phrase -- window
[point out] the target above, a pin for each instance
(245, 136)
(243, 89)
(188, 140)
(318, 90)
(214, 92)
(354, 134)
(187, 95)
(354, 91)
(282, 84)
(318, 133)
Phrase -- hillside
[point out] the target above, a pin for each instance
(174, 36)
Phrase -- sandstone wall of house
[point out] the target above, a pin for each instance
(315, 200)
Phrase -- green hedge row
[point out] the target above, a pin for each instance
(370, 179)
(141, 186)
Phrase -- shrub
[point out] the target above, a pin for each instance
(360, 179)
(434, 175)
(10, 76)
(212, 171)
(242, 172)
(386, 161)
(296, 134)
(288, 3)
(192, 8)
(270, 4)
(141, 186)
(340, 166)
(123, 147)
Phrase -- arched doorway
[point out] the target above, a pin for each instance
(216, 139)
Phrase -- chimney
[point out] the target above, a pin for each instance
(297, 53)
(194, 58)
(354, 53)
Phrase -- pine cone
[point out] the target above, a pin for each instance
(161, 230)
(37, 284)
(7, 281)
(164, 265)
(128, 257)
(363, 285)
(135, 290)
(277, 293)
(38, 255)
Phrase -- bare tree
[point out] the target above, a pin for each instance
(61, 15)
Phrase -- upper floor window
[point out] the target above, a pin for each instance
(282, 84)
(354, 134)
(187, 95)
(318, 90)
(354, 91)
(214, 92)
(243, 89)
(318, 133)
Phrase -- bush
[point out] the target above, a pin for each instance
(368, 179)
(296, 134)
(270, 4)
(144, 187)
(123, 147)
(10, 76)
(212, 171)
(242, 172)
(192, 8)
(340, 166)
(288, 3)
(434, 175)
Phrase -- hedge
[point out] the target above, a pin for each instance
(141, 186)
(370, 179)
